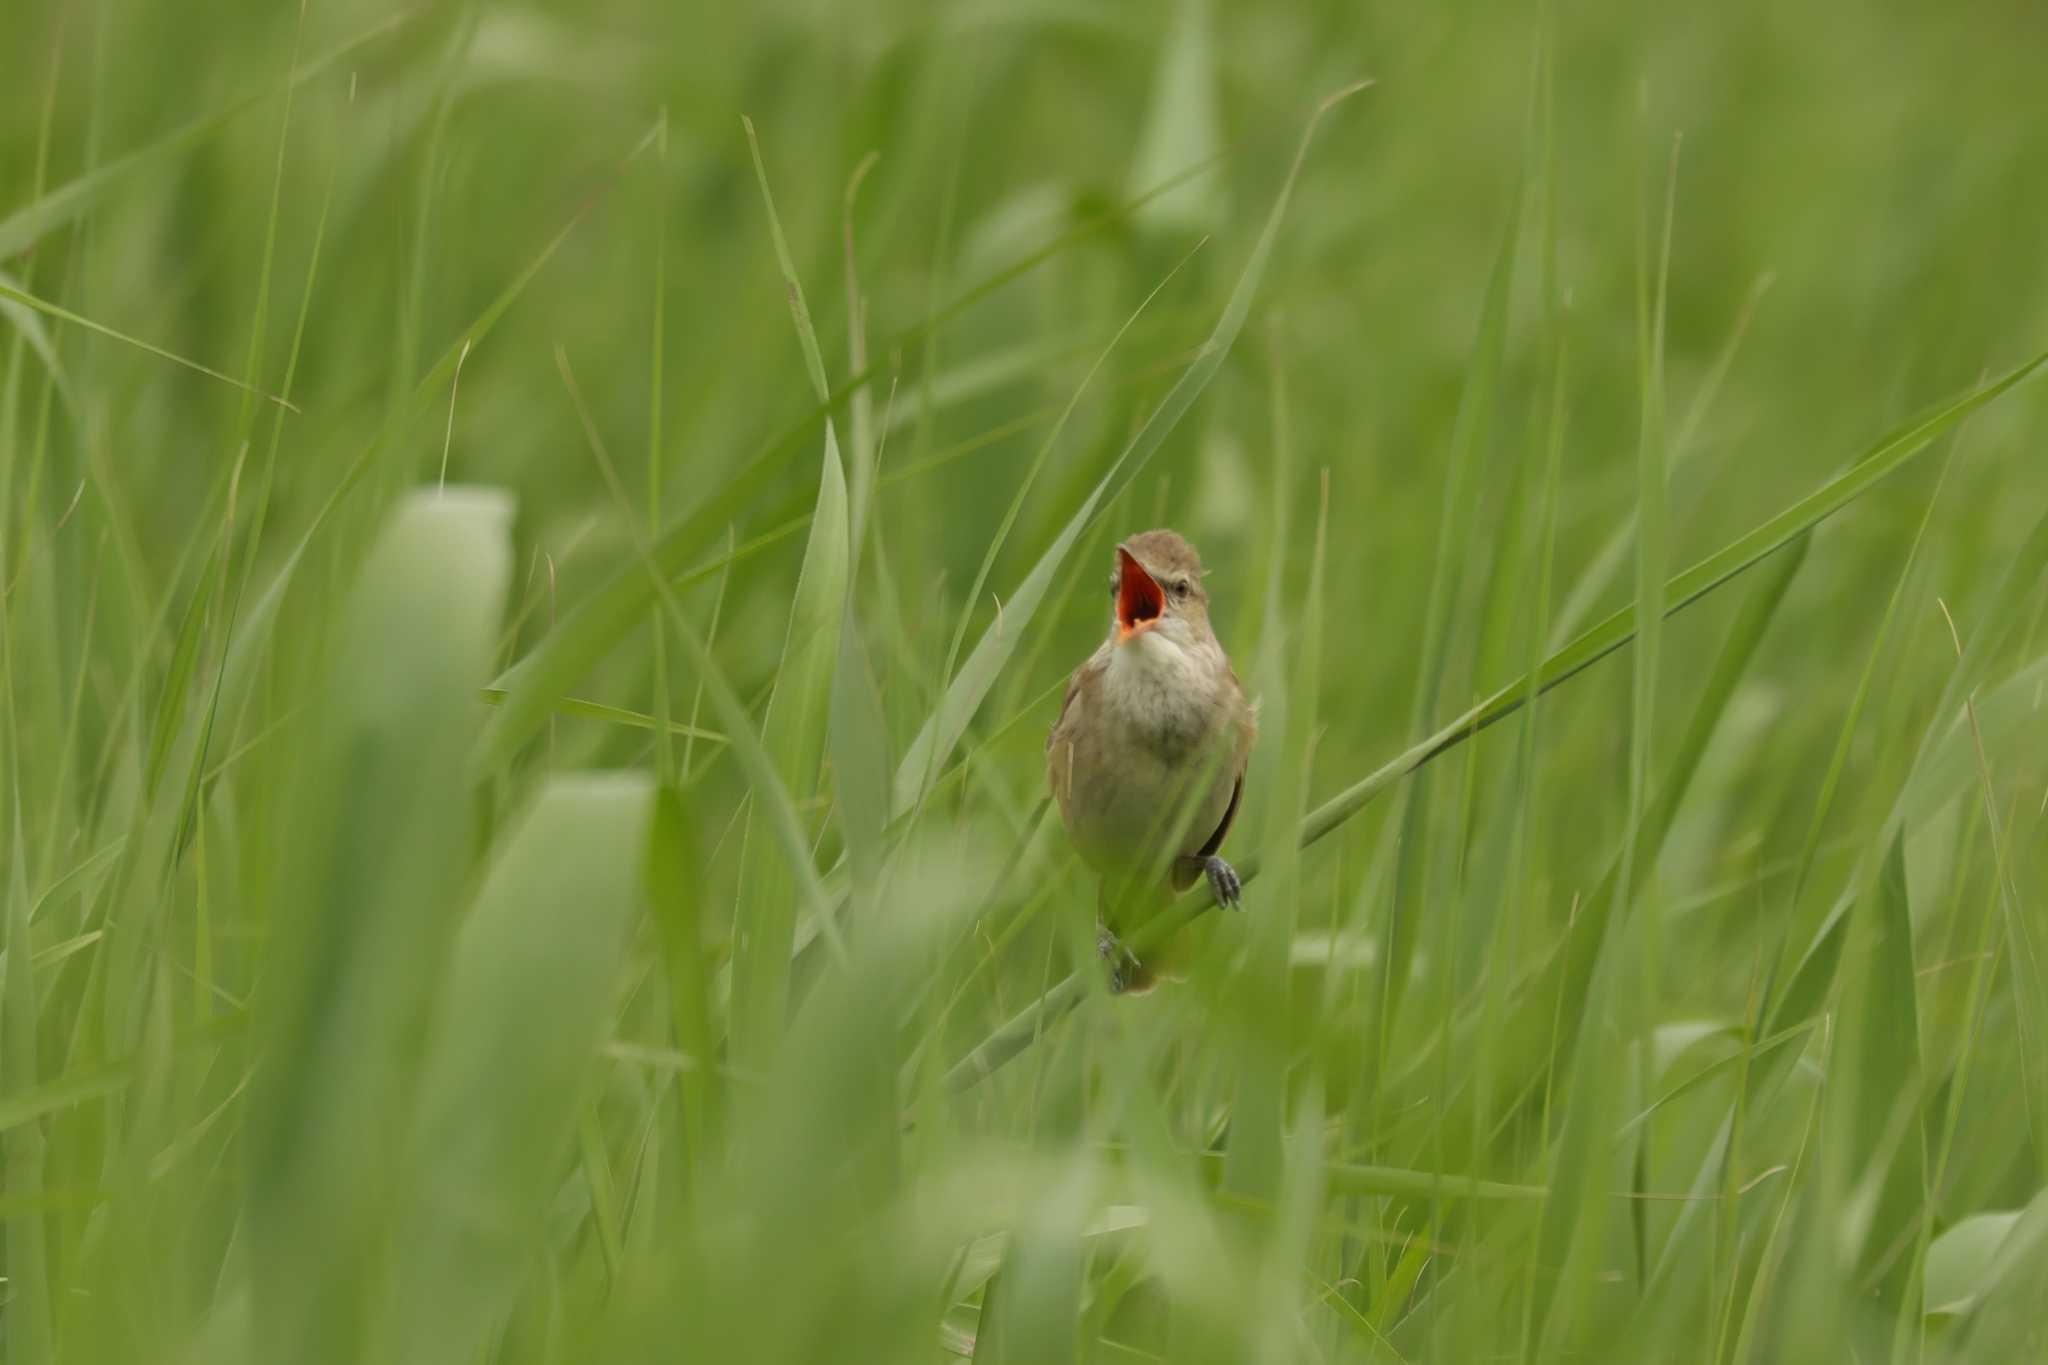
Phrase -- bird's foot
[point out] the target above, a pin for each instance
(1224, 883)
(1123, 963)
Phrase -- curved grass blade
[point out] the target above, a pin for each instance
(2006, 1321)
(1959, 1262)
(22, 298)
(613, 715)
(1395, 1182)
(76, 1087)
(37, 337)
(2004, 714)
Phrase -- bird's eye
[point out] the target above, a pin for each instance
(1180, 587)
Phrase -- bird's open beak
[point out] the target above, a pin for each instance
(1139, 598)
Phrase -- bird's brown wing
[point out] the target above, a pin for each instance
(1247, 733)
(1215, 841)
(1066, 704)
(1059, 753)
(1187, 871)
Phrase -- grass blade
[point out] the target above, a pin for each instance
(24, 299)
(793, 730)
(1183, 125)
(1871, 1176)
(381, 850)
(25, 1143)
(2029, 973)
(21, 229)
(1586, 966)
(676, 896)
(2007, 1323)
(1843, 740)
(527, 1000)
(1289, 675)
(36, 336)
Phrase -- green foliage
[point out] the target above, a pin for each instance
(542, 915)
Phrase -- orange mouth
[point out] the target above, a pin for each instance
(1139, 598)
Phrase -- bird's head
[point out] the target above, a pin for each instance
(1157, 593)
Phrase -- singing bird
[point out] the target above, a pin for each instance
(1147, 758)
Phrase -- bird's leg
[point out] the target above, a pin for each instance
(1123, 963)
(1224, 883)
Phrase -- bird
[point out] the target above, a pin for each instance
(1147, 758)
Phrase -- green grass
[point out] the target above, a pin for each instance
(607, 907)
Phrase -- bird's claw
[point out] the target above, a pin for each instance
(1224, 883)
(1123, 963)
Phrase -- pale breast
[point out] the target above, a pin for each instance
(1152, 742)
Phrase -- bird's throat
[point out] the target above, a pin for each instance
(1162, 695)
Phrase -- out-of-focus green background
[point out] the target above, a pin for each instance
(428, 938)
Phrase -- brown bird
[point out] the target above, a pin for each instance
(1147, 758)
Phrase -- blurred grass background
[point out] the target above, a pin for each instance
(546, 919)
